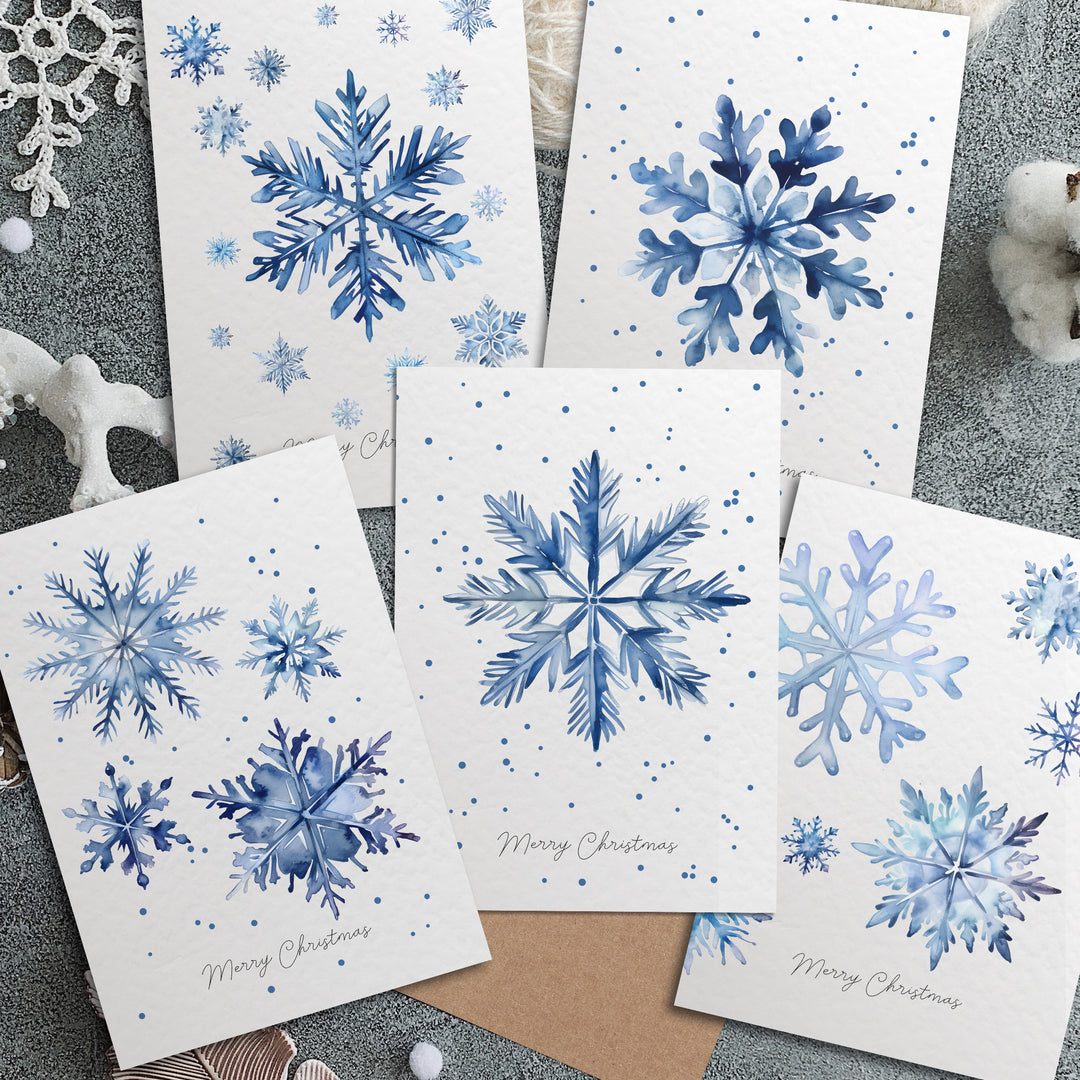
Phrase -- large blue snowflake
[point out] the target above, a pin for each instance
(469, 16)
(319, 212)
(221, 126)
(126, 825)
(956, 870)
(123, 642)
(266, 67)
(1056, 740)
(301, 816)
(720, 932)
(282, 364)
(593, 598)
(444, 87)
(490, 335)
(195, 49)
(1048, 610)
(846, 650)
(810, 845)
(231, 451)
(753, 226)
(292, 648)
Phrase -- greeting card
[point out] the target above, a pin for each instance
(765, 185)
(344, 191)
(929, 706)
(585, 605)
(231, 766)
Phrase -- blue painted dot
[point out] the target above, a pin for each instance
(378, 899)
(461, 764)
(270, 989)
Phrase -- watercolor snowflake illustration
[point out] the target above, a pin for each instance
(392, 29)
(469, 16)
(599, 581)
(126, 826)
(751, 225)
(444, 87)
(1062, 738)
(283, 365)
(810, 845)
(123, 642)
(720, 932)
(301, 816)
(231, 451)
(1048, 610)
(222, 250)
(956, 869)
(220, 338)
(292, 648)
(856, 650)
(221, 126)
(405, 360)
(266, 67)
(326, 15)
(319, 212)
(346, 413)
(195, 50)
(489, 203)
(490, 335)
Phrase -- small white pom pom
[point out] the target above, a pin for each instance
(425, 1061)
(16, 235)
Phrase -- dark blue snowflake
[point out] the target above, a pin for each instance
(292, 648)
(222, 250)
(444, 87)
(593, 598)
(810, 845)
(847, 650)
(300, 817)
(319, 212)
(123, 642)
(1048, 610)
(956, 870)
(720, 932)
(404, 360)
(221, 126)
(752, 224)
(195, 49)
(326, 15)
(283, 365)
(231, 451)
(392, 29)
(1057, 740)
(346, 413)
(490, 335)
(469, 16)
(220, 338)
(126, 825)
(266, 67)
(489, 203)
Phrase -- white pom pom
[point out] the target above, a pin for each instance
(16, 235)
(425, 1061)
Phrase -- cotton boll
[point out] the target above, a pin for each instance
(1036, 197)
(426, 1061)
(16, 235)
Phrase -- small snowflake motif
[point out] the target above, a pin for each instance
(221, 126)
(392, 29)
(283, 364)
(231, 451)
(444, 88)
(810, 845)
(489, 203)
(346, 414)
(405, 360)
(126, 826)
(326, 15)
(222, 250)
(266, 67)
(292, 648)
(299, 815)
(220, 338)
(195, 50)
(491, 335)
(469, 16)
(1057, 740)
(1048, 610)
(720, 932)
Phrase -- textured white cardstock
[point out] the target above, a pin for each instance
(765, 185)
(585, 603)
(342, 190)
(929, 684)
(229, 759)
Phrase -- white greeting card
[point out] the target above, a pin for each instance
(343, 190)
(765, 185)
(229, 759)
(585, 603)
(929, 752)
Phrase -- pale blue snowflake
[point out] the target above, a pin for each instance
(1062, 738)
(300, 816)
(603, 583)
(856, 651)
(491, 335)
(489, 203)
(283, 364)
(723, 932)
(956, 869)
(221, 126)
(266, 67)
(220, 338)
(810, 845)
(126, 825)
(405, 360)
(231, 451)
(392, 29)
(346, 413)
(469, 16)
(444, 87)
(222, 250)
(317, 212)
(196, 50)
(123, 642)
(326, 15)
(751, 224)
(292, 648)
(1048, 610)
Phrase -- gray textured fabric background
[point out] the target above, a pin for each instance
(999, 438)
